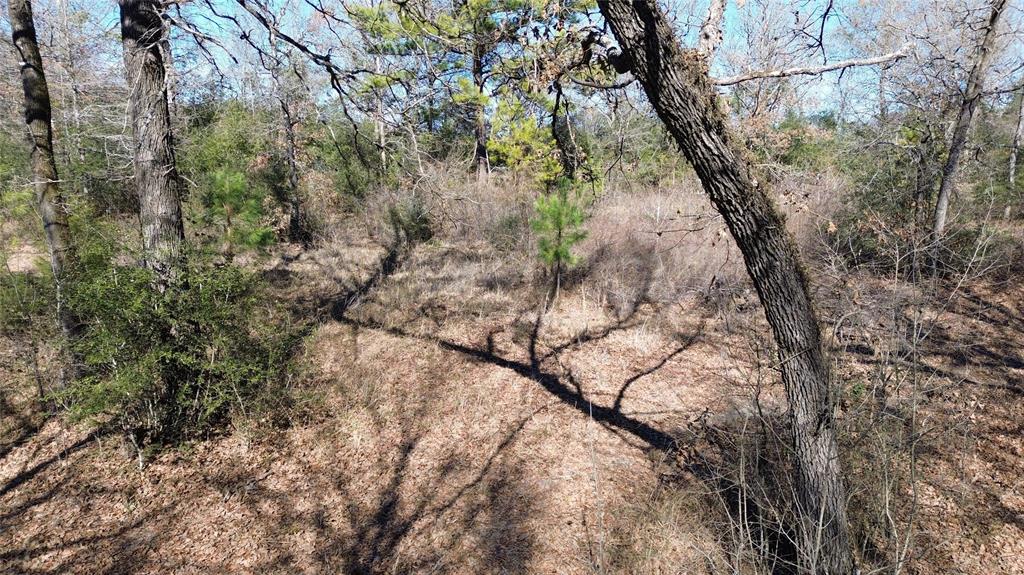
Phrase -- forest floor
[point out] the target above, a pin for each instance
(448, 431)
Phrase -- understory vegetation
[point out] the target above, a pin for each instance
(449, 287)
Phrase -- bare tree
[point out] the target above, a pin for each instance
(156, 174)
(677, 84)
(972, 95)
(38, 116)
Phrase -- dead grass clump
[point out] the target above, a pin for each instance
(662, 532)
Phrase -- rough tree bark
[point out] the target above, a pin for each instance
(677, 84)
(38, 116)
(156, 174)
(972, 95)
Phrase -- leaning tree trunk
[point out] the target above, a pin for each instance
(677, 84)
(156, 175)
(975, 84)
(49, 202)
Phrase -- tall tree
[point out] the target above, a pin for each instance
(1018, 133)
(156, 174)
(677, 84)
(972, 95)
(49, 201)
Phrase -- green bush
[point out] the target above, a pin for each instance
(240, 209)
(410, 220)
(559, 226)
(171, 366)
(26, 300)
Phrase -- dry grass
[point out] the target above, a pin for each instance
(453, 432)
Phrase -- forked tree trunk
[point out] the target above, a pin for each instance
(156, 174)
(38, 116)
(975, 84)
(677, 85)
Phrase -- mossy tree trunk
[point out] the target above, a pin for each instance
(677, 84)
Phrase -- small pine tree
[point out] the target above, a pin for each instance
(559, 227)
(233, 200)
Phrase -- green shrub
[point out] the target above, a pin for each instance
(410, 220)
(26, 300)
(559, 226)
(171, 366)
(239, 207)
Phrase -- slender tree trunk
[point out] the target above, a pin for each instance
(379, 123)
(156, 175)
(1018, 134)
(295, 231)
(677, 85)
(38, 116)
(480, 155)
(975, 85)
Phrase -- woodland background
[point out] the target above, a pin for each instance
(448, 298)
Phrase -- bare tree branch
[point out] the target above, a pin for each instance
(813, 70)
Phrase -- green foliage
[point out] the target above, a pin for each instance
(559, 225)
(175, 365)
(26, 301)
(239, 179)
(240, 207)
(410, 219)
(520, 142)
(352, 162)
(807, 143)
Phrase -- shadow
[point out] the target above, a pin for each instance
(26, 475)
(568, 391)
(26, 428)
(391, 525)
(396, 254)
(688, 342)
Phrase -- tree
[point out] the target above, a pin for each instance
(972, 95)
(1018, 133)
(156, 173)
(677, 84)
(38, 116)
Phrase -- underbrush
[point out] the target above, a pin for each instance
(173, 366)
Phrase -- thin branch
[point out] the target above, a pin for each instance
(813, 70)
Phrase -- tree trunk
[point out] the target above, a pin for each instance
(296, 232)
(49, 202)
(379, 126)
(975, 84)
(156, 175)
(480, 155)
(677, 85)
(1017, 135)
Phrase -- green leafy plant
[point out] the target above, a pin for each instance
(240, 210)
(171, 366)
(559, 227)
